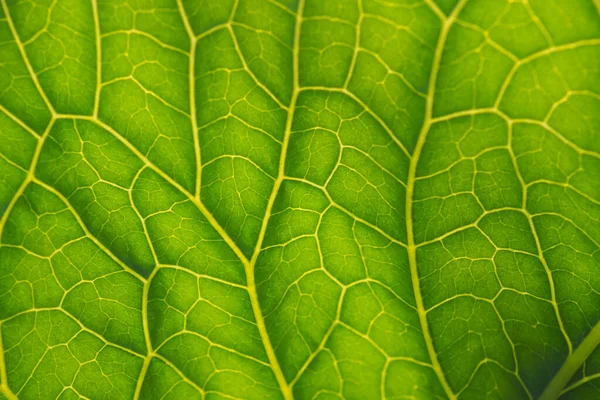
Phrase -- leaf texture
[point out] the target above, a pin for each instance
(299, 199)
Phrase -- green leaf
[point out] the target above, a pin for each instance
(299, 199)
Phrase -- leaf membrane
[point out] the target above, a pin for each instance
(267, 199)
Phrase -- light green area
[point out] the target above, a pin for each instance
(299, 199)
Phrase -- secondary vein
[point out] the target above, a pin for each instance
(192, 96)
(410, 186)
(285, 388)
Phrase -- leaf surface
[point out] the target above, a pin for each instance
(308, 199)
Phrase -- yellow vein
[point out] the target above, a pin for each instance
(31, 374)
(464, 113)
(572, 364)
(147, 36)
(346, 211)
(281, 7)
(495, 110)
(399, 75)
(247, 68)
(19, 122)
(565, 186)
(285, 388)
(4, 389)
(12, 163)
(550, 280)
(27, 180)
(554, 132)
(34, 78)
(85, 229)
(436, 9)
(535, 56)
(133, 79)
(338, 311)
(410, 192)
(212, 30)
(98, 57)
(366, 108)
(259, 31)
(44, 29)
(356, 44)
(142, 220)
(148, 358)
(234, 157)
(201, 276)
(540, 253)
(192, 88)
(145, 292)
(172, 182)
(251, 285)
(36, 155)
(512, 345)
(78, 322)
(178, 372)
(12, 203)
(580, 382)
(323, 342)
(536, 20)
(488, 39)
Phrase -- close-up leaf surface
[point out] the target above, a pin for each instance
(299, 199)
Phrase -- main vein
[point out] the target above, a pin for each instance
(410, 186)
(572, 364)
(192, 95)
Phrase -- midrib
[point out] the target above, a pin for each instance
(410, 186)
(572, 364)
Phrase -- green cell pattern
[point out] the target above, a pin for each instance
(299, 199)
